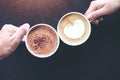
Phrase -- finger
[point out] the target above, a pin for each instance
(20, 33)
(8, 27)
(101, 19)
(96, 14)
(97, 21)
(91, 8)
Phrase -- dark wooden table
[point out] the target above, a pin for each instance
(97, 59)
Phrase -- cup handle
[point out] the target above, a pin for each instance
(23, 39)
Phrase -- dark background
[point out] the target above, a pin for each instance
(96, 59)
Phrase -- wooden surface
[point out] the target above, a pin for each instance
(97, 59)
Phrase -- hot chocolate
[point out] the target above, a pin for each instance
(42, 40)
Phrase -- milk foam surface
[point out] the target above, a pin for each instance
(74, 30)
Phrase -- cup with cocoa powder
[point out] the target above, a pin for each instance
(42, 40)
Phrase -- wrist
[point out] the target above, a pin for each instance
(118, 4)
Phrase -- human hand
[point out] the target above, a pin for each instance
(10, 38)
(100, 8)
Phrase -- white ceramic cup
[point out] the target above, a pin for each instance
(42, 40)
(74, 28)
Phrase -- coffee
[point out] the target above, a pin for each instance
(74, 28)
(42, 40)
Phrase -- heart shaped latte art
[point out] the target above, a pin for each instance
(75, 30)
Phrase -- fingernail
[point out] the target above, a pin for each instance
(26, 25)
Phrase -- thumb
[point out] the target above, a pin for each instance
(21, 31)
(96, 14)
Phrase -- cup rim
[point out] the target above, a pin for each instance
(57, 32)
(81, 42)
(38, 55)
